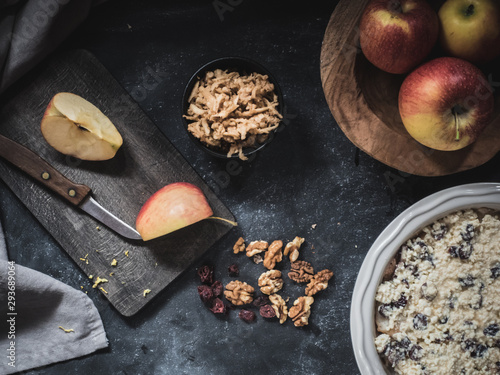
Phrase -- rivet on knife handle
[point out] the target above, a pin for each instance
(39, 169)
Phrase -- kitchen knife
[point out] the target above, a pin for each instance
(77, 194)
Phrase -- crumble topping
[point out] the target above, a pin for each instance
(439, 310)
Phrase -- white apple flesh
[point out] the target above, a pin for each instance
(396, 35)
(173, 207)
(76, 127)
(446, 103)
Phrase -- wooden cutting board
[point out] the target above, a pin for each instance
(146, 162)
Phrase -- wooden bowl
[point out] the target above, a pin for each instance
(364, 102)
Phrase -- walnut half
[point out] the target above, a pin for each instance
(301, 310)
(239, 246)
(319, 282)
(239, 293)
(293, 247)
(273, 254)
(270, 282)
(279, 306)
(256, 247)
(301, 272)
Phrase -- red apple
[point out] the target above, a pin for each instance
(396, 35)
(470, 29)
(172, 207)
(446, 103)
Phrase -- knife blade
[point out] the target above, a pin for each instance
(78, 195)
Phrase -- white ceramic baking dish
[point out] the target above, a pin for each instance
(405, 226)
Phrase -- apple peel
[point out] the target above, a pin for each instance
(173, 207)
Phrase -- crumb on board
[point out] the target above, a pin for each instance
(104, 290)
(111, 273)
(99, 280)
(146, 292)
(314, 226)
(126, 253)
(98, 228)
(85, 259)
(114, 262)
(91, 276)
(67, 330)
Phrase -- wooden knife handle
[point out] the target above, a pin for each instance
(40, 170)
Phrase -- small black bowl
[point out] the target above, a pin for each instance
(243, 66)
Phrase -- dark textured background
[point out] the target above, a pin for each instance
(310, 174)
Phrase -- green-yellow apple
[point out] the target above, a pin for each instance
(75, 127)
(397, 35)
(470, 29)
(446, 103)
(173, 207)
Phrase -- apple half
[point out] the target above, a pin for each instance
(173, 207)
(76, 127)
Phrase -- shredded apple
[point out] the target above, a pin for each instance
(232, 111)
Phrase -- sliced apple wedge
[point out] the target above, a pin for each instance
(173, 207)
(76, 127)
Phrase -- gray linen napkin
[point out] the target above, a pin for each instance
(31, 29)
(29, 332)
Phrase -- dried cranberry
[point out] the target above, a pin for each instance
(261, 301)
(491, 330)
(416, 353)
(479, 351)
(465, 251)
(453, 251)
(495, 271)
(476, 350)
(233, 270)
(469, 345)
(247, 315)
(267, 311)
(397, 350)
(206, 293)
(466, 282)
(428, 257)
(420, 322)
(218, 307)
(468, 235)
(387, 308)
(206, 274)
(438, 234)
(217, 288)
(413, 269)
(401, 302)
(422, 245)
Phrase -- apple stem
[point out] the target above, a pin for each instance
(233, 223)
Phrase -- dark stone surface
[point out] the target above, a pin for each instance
(310, 174)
